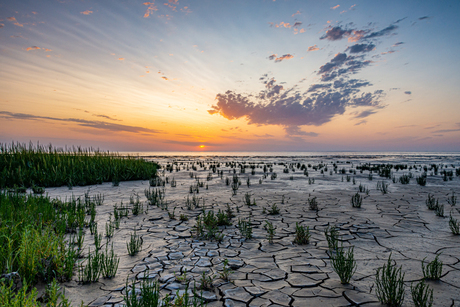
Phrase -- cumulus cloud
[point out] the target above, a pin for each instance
(87, 12)
(313, 48)
(357, 48)
(292, 108)
(80, 122)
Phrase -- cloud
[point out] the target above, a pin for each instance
(364, 113)
(408, 92)
(297, 24)
(335, 7)
(336, 33)
(296, 13)
(33, 48)
(397, 44)
(424, 17)
(121, 59)
(80, 122)
(313, 48)
(107, 117)
(150, 9)
(446, 130)
(2, 25)
(292, 108)
(294, 130)
(87, 12)
(15, 22)
(316, 87)
(164, 78)
(361, 48)
(281, 58)
(284, 57)
(340, 65)
(382, 32)
(266, 135)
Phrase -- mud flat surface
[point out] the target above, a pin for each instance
(282, 273)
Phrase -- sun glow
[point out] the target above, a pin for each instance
(201, 146)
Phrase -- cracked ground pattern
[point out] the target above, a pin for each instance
(282, 273)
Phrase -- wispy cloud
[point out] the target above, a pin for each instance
(151, 7)
(33, 48)
(388, 30)
(408, 92)
(313, 48)
(107, 117)
(357, 48)
(80, 122)
(335, 7)
(15, 22)
(296, 13)
(281, 58)
(87, 12)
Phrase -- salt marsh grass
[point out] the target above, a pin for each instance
(47, 166)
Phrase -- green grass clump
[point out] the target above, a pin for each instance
(302, 234)
(313, 204)
(452, 200)
(382, 186)
(432, 270)
(431, 202)
(405, 179)
(135, 244)
(422, 295)
(32, 236)
(356, 200)
(454, 225)
(344, 264)
(389, 282)
(27, 166)
(332, 237)
(22, 298)
(245, 228)
(274, 210)
(270, 231)
(421, 180)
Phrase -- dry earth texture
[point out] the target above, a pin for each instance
(281, 273)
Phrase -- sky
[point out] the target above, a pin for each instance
(210, 75)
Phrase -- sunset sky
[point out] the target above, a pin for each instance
(284, 75)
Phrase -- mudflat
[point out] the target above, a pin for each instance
(269, 268)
